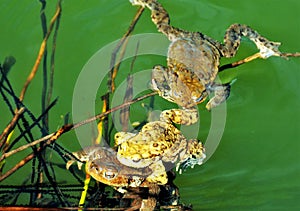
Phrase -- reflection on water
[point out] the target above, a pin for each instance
(256, 166)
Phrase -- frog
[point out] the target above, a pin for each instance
(160, 145)
(193, 60)
(102, 164)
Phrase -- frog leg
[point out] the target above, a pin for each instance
(121, 137)
(221, 93)
(161, 19)
(180, 116)
(232, 41)
(159, 174)
(160, 81)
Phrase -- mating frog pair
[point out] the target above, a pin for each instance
(142, 158)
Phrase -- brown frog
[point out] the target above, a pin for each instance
(193, 60)
(102, 164)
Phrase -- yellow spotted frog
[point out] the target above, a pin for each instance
(160, 146)
(193, 60)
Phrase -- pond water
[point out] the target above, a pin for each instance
(256, 166)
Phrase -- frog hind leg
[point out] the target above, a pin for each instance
(221, 93)
(159, 174)
(161, 19)
(232, 41)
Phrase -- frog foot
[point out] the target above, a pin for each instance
(195, 155)
(137, 2)
(70, 162)
(268, 49)
(190, 162)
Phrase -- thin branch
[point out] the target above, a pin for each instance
(11, 126)
(115, 65)
(124, 113)
(119, 45)
(29, 157)
(51, 78)
(23, 133)
(100, 116)
(253, 57)
(40, 54)
(45, 75)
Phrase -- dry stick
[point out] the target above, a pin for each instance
(253, 57)
(40, 54)
(99, 116)
(123, 39)
(124, 113)
(53, 136)
(40, 174)
(32, 155)
(52, 62)
(44, 64)
(11, 126)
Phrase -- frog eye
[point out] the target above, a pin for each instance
(109, 175)
(110, 172)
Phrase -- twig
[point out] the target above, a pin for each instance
(11, 126)
(28, 128)
(40, 54)
(117, 48)
(52, 62)
(21, 148)
(29, 157)
(124, 113)
(99, 116)
(253, 57)
(45, 75)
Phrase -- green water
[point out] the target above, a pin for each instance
(257, 164)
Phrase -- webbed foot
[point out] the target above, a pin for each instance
(221, 94)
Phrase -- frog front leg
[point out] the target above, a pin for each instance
(221, 93)
(160, 82)
(180, 116)
(232, 41)
(170, 86)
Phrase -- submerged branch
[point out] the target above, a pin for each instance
(253, 57)
(11, 126)
(116, 50)
(40, 54)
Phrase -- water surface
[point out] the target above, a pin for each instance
(256, 166)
